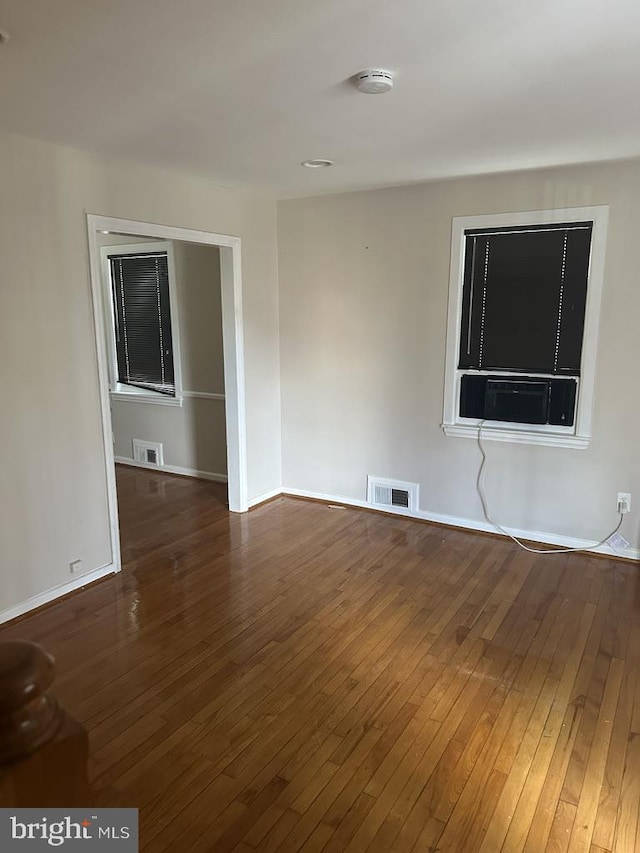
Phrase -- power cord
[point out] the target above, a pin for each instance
(485, 509)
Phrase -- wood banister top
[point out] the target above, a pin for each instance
(26, 671)
(29, 716)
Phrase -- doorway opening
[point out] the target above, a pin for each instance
(172, 396)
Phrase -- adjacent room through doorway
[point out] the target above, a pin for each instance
(164, 352)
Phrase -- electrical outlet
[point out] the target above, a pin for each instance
(76, 567)
(624, 502)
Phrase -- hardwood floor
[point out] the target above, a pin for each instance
(303, 678)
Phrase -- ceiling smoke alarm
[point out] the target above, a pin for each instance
(374, 81)
(4, 36)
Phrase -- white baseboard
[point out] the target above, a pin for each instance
(267, 496)
(471, 524)
(55, 592)
(173, 469)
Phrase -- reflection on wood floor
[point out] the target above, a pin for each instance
(302, 678)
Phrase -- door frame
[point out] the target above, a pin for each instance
(233, 349)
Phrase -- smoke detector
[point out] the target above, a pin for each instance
(374, 81)
(4, 36)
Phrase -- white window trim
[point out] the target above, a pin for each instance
(130, 393)
(579, 435)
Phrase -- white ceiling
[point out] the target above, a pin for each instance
(241, 91)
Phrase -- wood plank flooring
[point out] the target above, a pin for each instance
(306, 678)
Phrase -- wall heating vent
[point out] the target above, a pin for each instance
(148, 452)
(392, 493)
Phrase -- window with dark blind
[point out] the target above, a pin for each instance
(522, 327)
(144, 347)
(524, 298)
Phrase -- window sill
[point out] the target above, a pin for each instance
(126, 393)
(492, 432)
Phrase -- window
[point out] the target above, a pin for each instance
(523, 315)
(524, 298)
(143, 333)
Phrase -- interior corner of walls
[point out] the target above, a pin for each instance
(265, 496)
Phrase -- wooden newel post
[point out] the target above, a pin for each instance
(43, 750)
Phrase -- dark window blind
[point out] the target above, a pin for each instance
(144, 348)
(524, 298)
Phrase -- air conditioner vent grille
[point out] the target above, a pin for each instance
(392, 493)
(147, 452)
(400, 497)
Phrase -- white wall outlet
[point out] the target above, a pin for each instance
(624, 502)
(76, 567)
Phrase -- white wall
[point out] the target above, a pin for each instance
(200, 315)
(193, 435)
(53, 498)
(363, 296)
